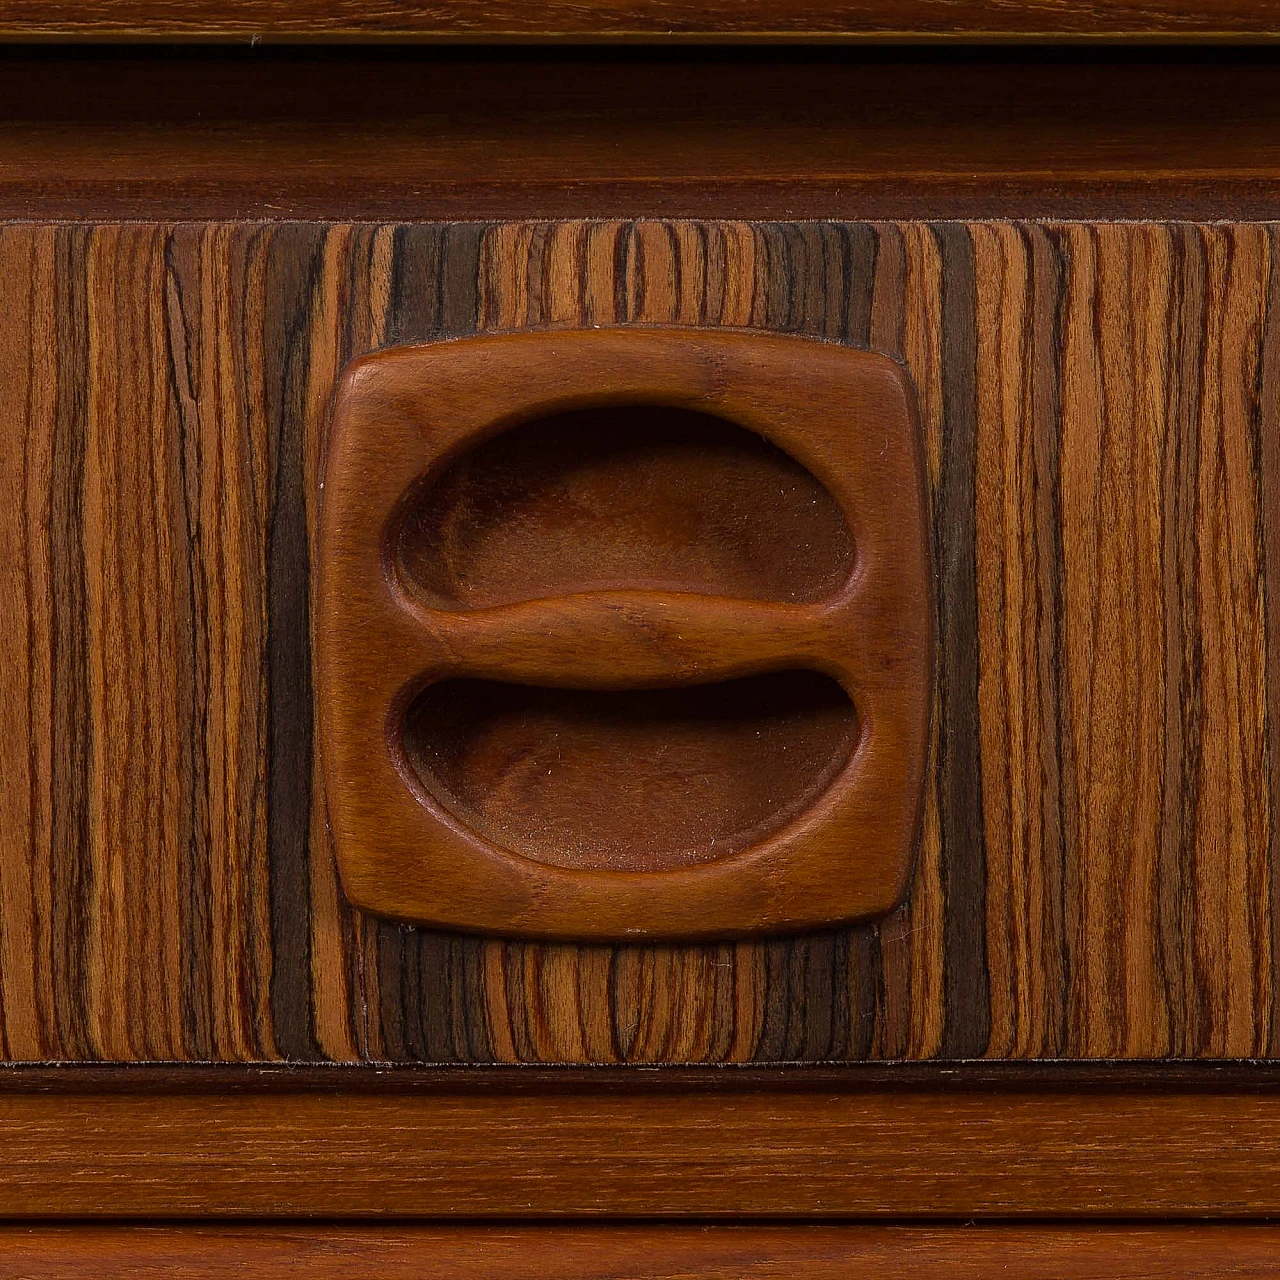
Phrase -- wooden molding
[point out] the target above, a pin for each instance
(1097, 1078)
(641, 20)
(660, 1251)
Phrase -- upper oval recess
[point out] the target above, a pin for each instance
(623, 498)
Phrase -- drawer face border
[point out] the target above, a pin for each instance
(164, 369)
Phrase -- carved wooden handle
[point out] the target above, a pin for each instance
(403, 415)
(633, 640)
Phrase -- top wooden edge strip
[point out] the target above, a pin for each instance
(665, 21)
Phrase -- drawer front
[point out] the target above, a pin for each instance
(1097, 874)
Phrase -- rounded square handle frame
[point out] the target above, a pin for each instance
(403, 414)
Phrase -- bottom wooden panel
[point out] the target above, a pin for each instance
(653, 1252)
(449, 1146)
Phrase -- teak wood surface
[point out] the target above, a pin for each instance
(1099, 873)
(660, 1252)
(839, 850)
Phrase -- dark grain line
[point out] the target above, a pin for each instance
(291, 283)
(182, 283)
(959, 774)
(1048, 278)
(72, 726)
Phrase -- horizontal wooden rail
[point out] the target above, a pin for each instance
(656, 1251)
(1131, 1143)
(393, 136)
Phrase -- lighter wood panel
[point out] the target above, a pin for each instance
(1233, 818)
(1098, 863)
(906, 321)
(1017, 692)
(213, 321)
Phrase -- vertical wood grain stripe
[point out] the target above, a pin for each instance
(1099, 872)
(29, 1023)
